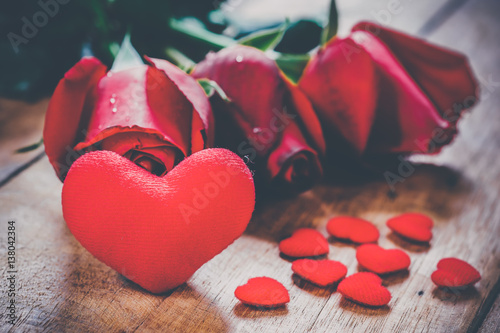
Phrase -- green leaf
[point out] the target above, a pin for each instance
(180, 59)
(300, 37)
(331, 28)
(265, 39)
(114, 48)
(211, 87)
(195, 30)
(127, 56)
(29, 148)
(292, 65)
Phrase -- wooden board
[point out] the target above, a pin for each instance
(61, 287)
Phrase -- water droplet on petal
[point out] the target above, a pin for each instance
(109, 74)
(257, 130)
(114, 109)
(239, 58)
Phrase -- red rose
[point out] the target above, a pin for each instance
(268, 119)
(154, 114)
(386, 92)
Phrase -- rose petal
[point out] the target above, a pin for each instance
(340, 81)
(294, 160)
(254, 98)
(405, 115)
(142, 99)
(203, 120)
(65, 111)
(304, 109)
(444, 75)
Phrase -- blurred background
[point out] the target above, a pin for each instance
(46, 37)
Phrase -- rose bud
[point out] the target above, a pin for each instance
(385, 92)
(154, 115)
(268, 119)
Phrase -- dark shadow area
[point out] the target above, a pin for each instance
(339, 242)
(395, 278)
(456, 295)
(292, 259)
(247, 311)
(437, 191)
(364, 309)
(312, 288)
(131, 285)
(410, 246)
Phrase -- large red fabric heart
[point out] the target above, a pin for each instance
(264, 292)
(365, 288)
(305, 243)
(354, 229)
(454, 273)
(381, 261)
(413, 226)
(157, 231)
(319, 272)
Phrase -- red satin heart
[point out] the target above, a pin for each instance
(319, 272)
(262, 291)
(354, 229)
(381, 261)
(304, 243)
(413, 226)
(365, 288)
(454, 273)
(157, 231)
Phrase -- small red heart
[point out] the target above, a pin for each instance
(262, 291)
(413, 226)
(157, 231)
(304, 243)
(454, 273)
(381, 261)
(354, 229)
(319, 272)
(365, 288)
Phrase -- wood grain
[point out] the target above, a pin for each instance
(21, 124)
(491, 324)
(63, 288)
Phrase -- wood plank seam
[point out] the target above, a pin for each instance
(440, 17)
(484, 308)
(20, 169)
